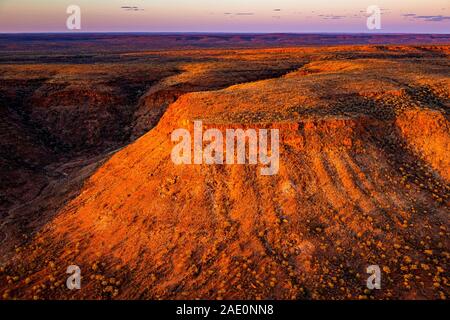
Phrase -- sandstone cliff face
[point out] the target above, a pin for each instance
(363, 180)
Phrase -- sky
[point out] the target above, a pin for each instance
(398, 16)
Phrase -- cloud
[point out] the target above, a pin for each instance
(434, 18)
(131, 8)
(231, 14)
(277, 10)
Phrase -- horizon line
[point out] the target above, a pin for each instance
(218, 32)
